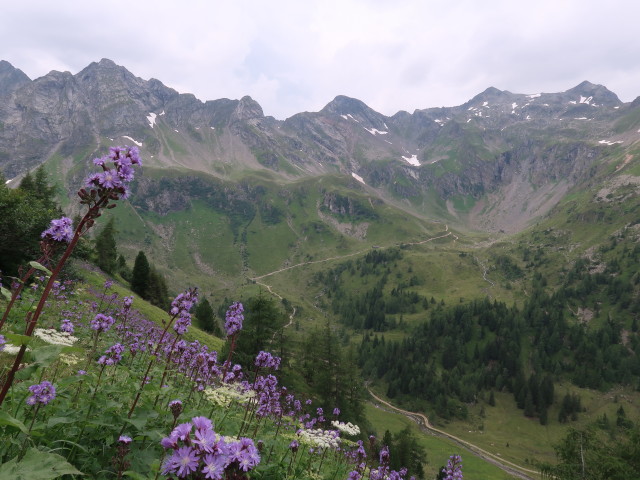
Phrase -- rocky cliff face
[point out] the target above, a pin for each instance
(486, 150)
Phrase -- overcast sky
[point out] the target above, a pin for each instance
(294, 56)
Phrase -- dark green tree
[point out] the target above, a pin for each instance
(105, 248)
(206, 318)
(262, 320)
(23, 217)
(157, 292)
(140, 275)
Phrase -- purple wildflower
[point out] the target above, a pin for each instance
(41, 393)
(112, 355)
(266, 360)
(182, 324)
(453, 470)
(294, 445)
(354, 475)
(3, 341)
(336, 411)
(67, 326)
(61, 230)
(384, 455)
(214, 466)
(185, 460)
(234, 319)
(124, 439)
(102, 323)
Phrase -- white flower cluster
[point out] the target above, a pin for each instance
(11, 349)
(320, 438)
(51, 335)
(348, 428)
(69, 359)
(224, 395)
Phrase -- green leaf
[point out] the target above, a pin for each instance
(136, 475)
(17, 339)
(46, 355)
(25, 373)
(5, 293)
(6, 419)
(53, 421)
(37, 465)
(42, 268)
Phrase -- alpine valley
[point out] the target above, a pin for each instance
(478, 263)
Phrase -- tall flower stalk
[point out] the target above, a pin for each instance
(179, 309)
(101, 189)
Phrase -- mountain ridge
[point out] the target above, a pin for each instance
(516, 154)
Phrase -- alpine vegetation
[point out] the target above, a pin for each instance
(93, 389)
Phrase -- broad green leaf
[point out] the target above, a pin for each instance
(25, 373)
(53, 421)
(17, 339)
(40, 267)
(46, 355)
(37, 465)
(6, 419)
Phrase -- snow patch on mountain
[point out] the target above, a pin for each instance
(358, 178)
(412, 160)
(151, 118)
(374, 131)
(134, 141)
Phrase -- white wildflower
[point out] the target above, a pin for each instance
(11, 349)
(69, 359)
(322, 439)
(348, 428)
(51, 335)
(224, 395)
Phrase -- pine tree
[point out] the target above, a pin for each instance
(140, 275)
(157, 292)
(106, 252)
(206, 318)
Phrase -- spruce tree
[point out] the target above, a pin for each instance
(140, 275)
(206, 318)
(106, 252)
(157, 292)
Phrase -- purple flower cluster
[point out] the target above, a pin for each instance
(180, 307)
(101, 322)
(453, 470)
(382, 472)
(112, 355)
(113, 181)
(2, 342)
(266, 360)
(41, 393)
(206, 453)
(234, 319)
(67, 326)
(60, 230)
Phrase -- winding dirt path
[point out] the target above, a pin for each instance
(340, 257)
(423, 421)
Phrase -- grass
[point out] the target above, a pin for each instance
(438, 449)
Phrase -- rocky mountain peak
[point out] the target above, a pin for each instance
(491, 95)
(11, 78)
(247, 108)
(354, 109)
(597, 94)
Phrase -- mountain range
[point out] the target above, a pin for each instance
(496, 164)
